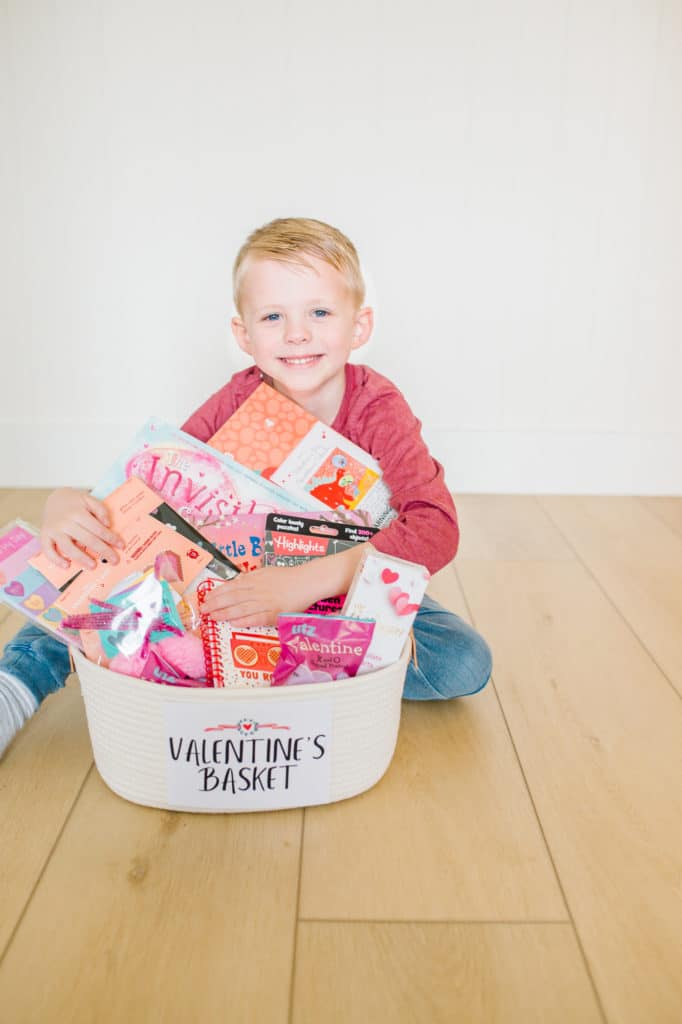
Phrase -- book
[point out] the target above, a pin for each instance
(24, 588)
(240, 538)
(286, 444)
(196, 480)
(237, 656)
(295, 539)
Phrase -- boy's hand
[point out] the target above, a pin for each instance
(73, 521)
(257, 598)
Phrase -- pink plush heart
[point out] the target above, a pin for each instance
(403, 606)
(394, 593)
(15, 589)
(388, 576)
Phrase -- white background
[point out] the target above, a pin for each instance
(511, 173)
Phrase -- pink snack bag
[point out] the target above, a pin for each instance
(320, 648)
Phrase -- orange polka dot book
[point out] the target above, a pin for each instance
(282, 442)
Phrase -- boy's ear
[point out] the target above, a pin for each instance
(362, 329)
(241, 335)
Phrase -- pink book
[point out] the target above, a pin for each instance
(194, 479)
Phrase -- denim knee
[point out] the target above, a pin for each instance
(474, 666)
(38, 660)
(453, 660)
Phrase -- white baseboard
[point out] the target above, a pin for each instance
(510, 462)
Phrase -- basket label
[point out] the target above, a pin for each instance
(248, 755)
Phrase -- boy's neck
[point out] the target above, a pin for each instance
(323, 404)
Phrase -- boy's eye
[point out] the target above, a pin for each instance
(320, 313)
(271, 317)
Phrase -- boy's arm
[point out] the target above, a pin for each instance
(425, 529)
(257, 598)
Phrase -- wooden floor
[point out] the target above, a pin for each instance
(520, 861)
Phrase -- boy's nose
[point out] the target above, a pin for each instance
(297, 335)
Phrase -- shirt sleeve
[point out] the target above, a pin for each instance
(425, 529)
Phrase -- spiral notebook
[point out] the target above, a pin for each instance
(234, 656)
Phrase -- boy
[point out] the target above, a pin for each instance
(299, 295)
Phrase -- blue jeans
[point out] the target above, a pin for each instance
(452, 659)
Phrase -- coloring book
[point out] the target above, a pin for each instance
(285, 444)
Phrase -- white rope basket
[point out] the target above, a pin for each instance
(241, 749)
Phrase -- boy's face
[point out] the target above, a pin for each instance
(300, 324)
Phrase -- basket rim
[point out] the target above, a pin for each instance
(210, 693)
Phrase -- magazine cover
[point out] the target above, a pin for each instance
(197, 481)
(277, 438)
(23, 587)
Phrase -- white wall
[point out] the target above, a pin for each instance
(510, 171)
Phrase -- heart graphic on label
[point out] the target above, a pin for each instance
(15, 589)
(247, 726)
(35, 603)
(388, 576)
(53, 615)
(403, 605)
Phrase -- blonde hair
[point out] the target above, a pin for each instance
(289, 240)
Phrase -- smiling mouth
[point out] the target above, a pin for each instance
(299, 360)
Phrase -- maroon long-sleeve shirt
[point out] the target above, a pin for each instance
(375, 416)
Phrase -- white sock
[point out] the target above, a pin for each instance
(17, 704)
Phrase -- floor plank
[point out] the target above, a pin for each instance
(41, 774)
(599, 733)
(637, 559)
(510, 527)
(25, 503)
(448, 833)
(440, 973)
(151, 915)
(667, 509)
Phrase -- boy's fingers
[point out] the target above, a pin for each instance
(98, 509)
(223, 596)
(88, 540)
(262, 619)
(52, 554)
(73, 552)
(234, 610)
(95, 527)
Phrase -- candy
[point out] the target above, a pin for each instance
(320, 648)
